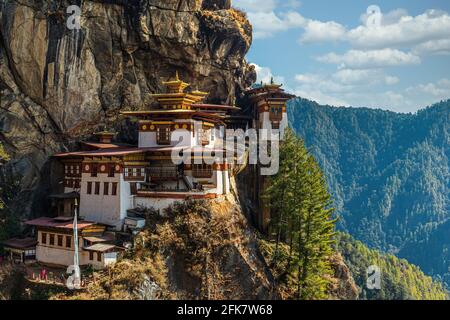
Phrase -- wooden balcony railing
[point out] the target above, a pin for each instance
(162, 173)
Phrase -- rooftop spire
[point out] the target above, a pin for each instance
(177, 85)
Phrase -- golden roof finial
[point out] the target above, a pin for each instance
(177, 77)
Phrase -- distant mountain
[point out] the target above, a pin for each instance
(389, 174)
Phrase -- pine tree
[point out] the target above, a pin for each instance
(302, 219)
(9, 184)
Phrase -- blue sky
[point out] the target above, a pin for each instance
(395, 56)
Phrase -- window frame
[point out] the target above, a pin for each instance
(164, 135)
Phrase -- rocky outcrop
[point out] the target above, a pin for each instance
(342, 285)
(57, 85)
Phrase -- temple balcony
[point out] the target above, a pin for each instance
(162, 173)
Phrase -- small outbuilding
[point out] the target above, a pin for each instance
(21, 250)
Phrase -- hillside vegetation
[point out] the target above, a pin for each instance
(400, 280)
(388, 174)
(198, 250)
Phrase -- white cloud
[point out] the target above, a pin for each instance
(389, 80)
(439, 47)
(266, 24)
(357, 59)
(439, 89)
(365, 88)
(255, 5)
(360, 80)
(364, 76)
(407, 31)
(292, 4)
(320, 97)
(266, 20)
(317, 31)
(265, 75)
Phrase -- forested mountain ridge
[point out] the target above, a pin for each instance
(388, 173)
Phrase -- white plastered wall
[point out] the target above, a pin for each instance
(102, 208)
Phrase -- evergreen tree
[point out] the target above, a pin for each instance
(9, 184)
(302, 219)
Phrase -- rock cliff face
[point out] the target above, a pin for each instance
(57, 85)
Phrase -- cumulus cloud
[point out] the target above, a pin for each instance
(265, 75)
(364, 88)
(267, 21)
(433, 47)
(439, 89)
(407, 31)
(389, 39)
(358, 59)
(317, 31)
(266, 24)
(366, 76)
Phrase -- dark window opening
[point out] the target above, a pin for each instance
(44, 238)
(60, 241)
(114, 189)
(68, 241)
(94, 170)
(163, 135)
(111, 171)
(133, 188)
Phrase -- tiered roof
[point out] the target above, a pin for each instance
(176, 102)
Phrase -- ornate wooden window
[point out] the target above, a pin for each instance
(134, 173)
(163, 135)
(202, 170)
(89, 188)
(276, 113)
(97, 187)
(105, 188)
(99, 257)
(52, 239)
(91, 255)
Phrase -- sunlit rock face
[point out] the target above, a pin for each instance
(57, 85)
